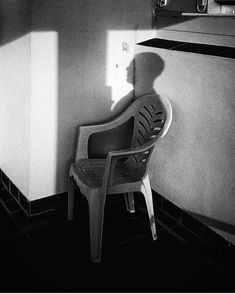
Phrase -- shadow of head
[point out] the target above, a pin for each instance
(144, 69)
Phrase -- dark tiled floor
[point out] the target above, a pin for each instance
(48, 254)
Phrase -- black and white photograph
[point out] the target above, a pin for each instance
(117, 146)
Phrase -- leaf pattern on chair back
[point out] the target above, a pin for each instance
(150, 115)
(149, 121)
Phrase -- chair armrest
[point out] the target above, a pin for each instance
(82, 143)
(114, 156)
(85, 131)
(128, 152)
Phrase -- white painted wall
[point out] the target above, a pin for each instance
(15, 111)
(15, 92)
(200, 145)
(194, 165)
(90, 75)
(43, 113)
(55, 61)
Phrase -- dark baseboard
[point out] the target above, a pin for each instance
(34, 207)
(189, 225)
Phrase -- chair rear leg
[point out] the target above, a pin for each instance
(71, 192)
(96, 216)
(146, 190)
(129, 200)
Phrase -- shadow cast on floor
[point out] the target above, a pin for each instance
(45, 253)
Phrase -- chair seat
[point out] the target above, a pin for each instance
(91, 172)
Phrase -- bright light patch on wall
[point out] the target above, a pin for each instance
(14, 110)
(44, 112)
(120, 52)
(119, 66)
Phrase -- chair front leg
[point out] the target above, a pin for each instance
(129, 200)
(96, 201)
(146, 190)
(71, 192)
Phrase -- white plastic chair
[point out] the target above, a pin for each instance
(122, 171)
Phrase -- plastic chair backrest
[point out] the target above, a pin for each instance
(152, 119)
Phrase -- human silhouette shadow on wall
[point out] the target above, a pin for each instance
(142, 72)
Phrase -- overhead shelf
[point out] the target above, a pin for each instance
(225, 2)
(166, 12)
(204, 49)
(208, 14)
